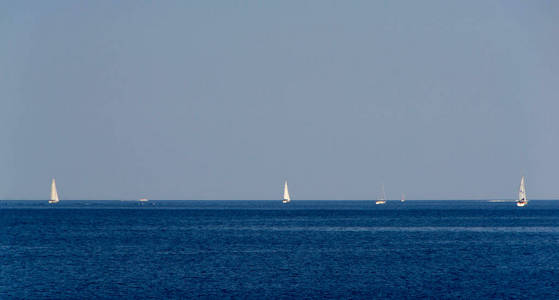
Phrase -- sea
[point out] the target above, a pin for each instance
(268, 250)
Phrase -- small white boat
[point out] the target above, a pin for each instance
(143, 200)
(382, 198)
(286, 198)
(522, 199)
(403, 199)
(53, 193)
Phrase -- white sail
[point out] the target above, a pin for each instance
(522, 190)
(522, 199)
(286, 197)
(53, 192)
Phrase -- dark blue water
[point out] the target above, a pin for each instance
(263, 249)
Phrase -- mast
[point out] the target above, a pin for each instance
(382, 197)
(382, 194)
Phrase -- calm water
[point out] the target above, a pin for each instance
(263, 249)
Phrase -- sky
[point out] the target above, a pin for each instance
(226, 99)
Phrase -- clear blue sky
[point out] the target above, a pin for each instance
(225, 99)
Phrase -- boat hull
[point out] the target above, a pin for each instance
(521, 203)
(285, 201)
(380, 202)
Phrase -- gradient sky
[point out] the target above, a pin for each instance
(225, 99)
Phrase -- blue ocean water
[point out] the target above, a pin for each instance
(263, 249)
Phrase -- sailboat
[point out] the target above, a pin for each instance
(403, 197)
(522, 200)
(286, 198)
(382, 198)
(53, 193)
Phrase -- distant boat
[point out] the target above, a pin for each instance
(143, 200)
(382, 198)
(286, 198)
(403, 199)
(53, 193)
(522, 200)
